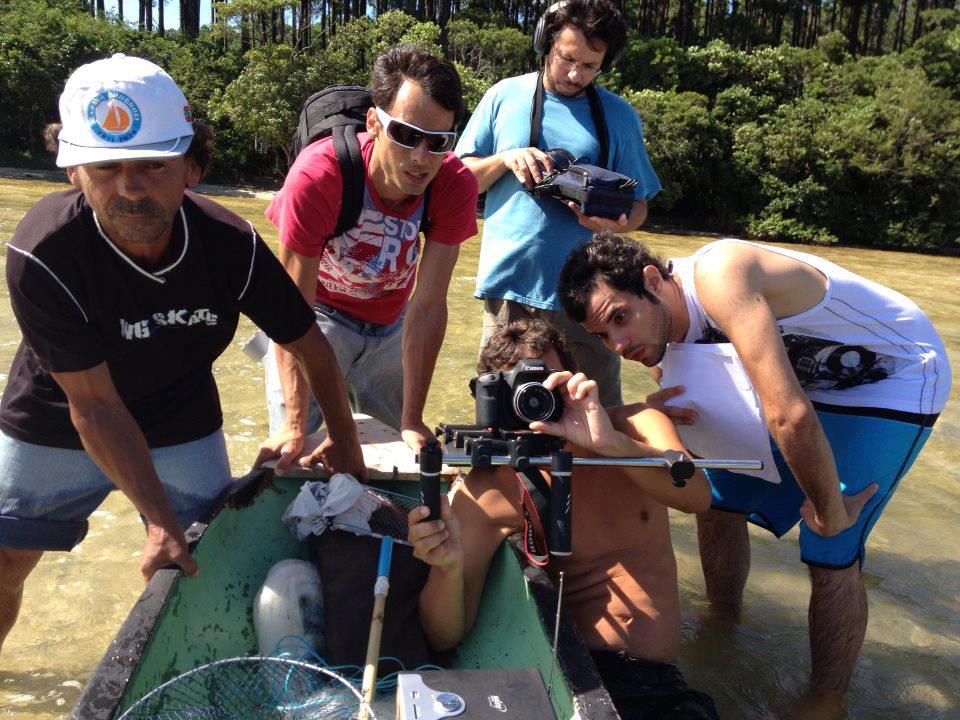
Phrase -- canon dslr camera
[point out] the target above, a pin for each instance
(512, 399)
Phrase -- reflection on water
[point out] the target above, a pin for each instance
(910, 665)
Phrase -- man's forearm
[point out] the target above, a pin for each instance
(694, 497)
(442, 608)
(638, 215)
(804, 446)
(295, 390)
(486, 169)
(116, 444)
(423, 332)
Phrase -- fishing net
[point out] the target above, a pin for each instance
(255, 688)
(383, 514)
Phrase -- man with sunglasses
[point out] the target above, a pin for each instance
(385, 336)
(525, 239)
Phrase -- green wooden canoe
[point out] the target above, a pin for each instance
(179, 624)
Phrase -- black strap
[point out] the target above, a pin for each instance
(534, 494)
(425, 216)
(536, 113)
(600, 122)
(347, 148)
(596, 113)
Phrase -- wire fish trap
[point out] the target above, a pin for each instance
(252, 688)
(379, 513)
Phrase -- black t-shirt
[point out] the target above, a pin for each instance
(80, 301)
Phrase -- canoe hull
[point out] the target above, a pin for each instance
(179, 623)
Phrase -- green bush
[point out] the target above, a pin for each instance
(780, 143)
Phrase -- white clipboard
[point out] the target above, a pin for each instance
(730, 421)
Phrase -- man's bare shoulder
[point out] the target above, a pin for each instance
(723, 260)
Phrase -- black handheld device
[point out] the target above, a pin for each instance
(431, 460)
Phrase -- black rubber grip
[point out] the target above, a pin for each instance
(561, 504)
(431, 460)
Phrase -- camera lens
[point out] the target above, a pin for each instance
(532, 402)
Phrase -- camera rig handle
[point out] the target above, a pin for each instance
(561, 503)
(431, 461)
(680, 467)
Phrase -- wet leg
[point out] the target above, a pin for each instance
(15, 566)
(838, 623)
(725, 558)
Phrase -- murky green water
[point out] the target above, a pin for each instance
(910, 665)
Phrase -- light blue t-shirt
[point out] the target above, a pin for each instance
(526, 240)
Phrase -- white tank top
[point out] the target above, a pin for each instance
(862, 346)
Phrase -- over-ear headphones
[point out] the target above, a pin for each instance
(541, 43)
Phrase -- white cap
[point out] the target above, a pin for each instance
(122, 108)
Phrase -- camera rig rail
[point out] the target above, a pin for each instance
(485, 447)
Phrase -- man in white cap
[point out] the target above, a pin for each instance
(126, 289)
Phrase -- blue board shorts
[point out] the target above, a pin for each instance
(47, 493)
(866, 449)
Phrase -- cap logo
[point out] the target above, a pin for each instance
(114, 116)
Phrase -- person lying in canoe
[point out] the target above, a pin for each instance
(127, 288)
(620, 581)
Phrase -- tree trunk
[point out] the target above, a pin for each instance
(148, 10)
(244, 33)
(305, 17)
(918, 19)
(900, 26)
(141, 20)
(160, 28)
(120, 12)
(190, 17)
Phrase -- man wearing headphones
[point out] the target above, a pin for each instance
(525, 239)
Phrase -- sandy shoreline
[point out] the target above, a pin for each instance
(203, 188)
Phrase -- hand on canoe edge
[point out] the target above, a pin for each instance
(166, 546)
(339, 455)
(436, 542)
(285, 445)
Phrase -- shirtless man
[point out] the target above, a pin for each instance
(620, 581)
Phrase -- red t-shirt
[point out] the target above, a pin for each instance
(368, 272)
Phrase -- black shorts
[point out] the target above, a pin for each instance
(644, 690)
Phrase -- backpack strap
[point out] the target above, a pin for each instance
(425, 216)
(347, 148)
(596, 114)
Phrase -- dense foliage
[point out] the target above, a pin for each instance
(815, 141)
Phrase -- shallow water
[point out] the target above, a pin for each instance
(910, 664)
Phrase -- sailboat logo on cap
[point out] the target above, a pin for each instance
(114, 116)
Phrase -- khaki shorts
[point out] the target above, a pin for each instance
(593, 359)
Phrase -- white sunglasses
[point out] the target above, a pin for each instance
(409, 136)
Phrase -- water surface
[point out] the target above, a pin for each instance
(910, 665)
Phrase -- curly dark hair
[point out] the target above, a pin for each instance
(615, 260)
(526, 338)
(436, 75)
(598, 20)
(200, 150)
